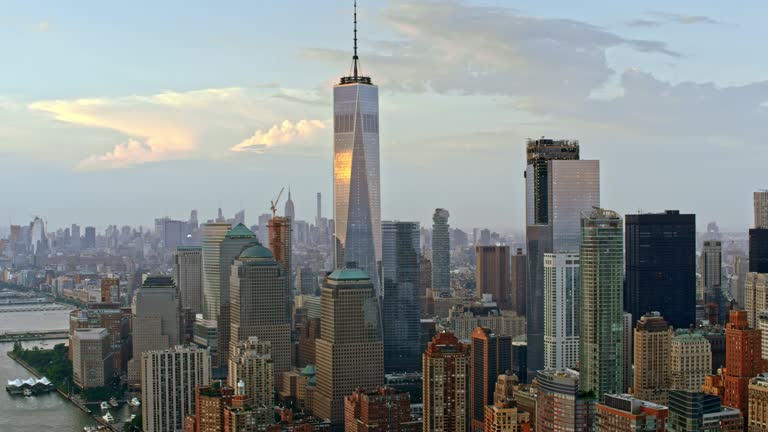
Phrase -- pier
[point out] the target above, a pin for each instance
(34, 335)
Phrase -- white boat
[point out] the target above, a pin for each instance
(104, 406)
(134, 402)
(108, 417)
(27, 392)
(133, 416)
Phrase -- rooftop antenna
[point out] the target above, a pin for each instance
(354, 57)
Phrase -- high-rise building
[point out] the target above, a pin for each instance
(260, 305)
(212, 236)
(690, 360)
(89, 239)
(738, 279)
(520, 360)
(756, 300)
(210, 401)
(758, 403)
(743, 360)
(602, 270)
(558, 189)
(653, 337)
(758, 236)
(519, 277)
(441, 251)
(188, 274)
(660, 252)
(110, 290)
(761, 208)
(290, 211)
(624, 413)
(445, 371)
(92, 364)
(168, 381)
(561, 406)
(712, 261)
(491, 356)
(699, 412)
(381, 409)
(350, 351)
(156, 320)
(251, 368)
(356, 177)
(561, 310)
(492, 274)
(505, 416)
(628, 346)
(400, 277)
(319, 214)
(280, 236)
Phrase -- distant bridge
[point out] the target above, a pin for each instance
(36, 308)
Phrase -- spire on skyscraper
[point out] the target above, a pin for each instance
(355, 76)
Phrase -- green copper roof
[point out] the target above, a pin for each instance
(352, 274)
(257, 251)
(313, 381)
(240, 231)
(309, 370)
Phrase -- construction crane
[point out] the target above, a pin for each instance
(274, 203)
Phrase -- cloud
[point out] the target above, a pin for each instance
(671, 18)
(279, 134)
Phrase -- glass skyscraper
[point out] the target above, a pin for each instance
(356, 178)
(561, 310)
(400, 277)
(441, 251)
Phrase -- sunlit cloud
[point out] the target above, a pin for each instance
(279, 134)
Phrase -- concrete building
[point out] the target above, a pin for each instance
(92, 364)
(281, 245)
(251, 370)
(210, 401)
(758, 404)
(561, 310)
(462, 322)
(259, 304)
(156, 320)
(168, 382)
(491, 356)
(518, 270)
(756, 297)
(761, 208)
(441, 251)
(602, 336)
(212, 236)
(492, 274)
(400, 298)
(712, 268)
(445, 371)
(558, 189)
(743, 361)
(188, 274)
(690, 360)
(505, 416)
(628, 346)
(350, 351)
(561, 406)
(699, 412)
(652, 340)
(624, 413)
(378, 410)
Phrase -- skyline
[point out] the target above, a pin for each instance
(204, 125)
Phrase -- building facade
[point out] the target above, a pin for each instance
(251, 370)
(758, 404)
(699, 412)
(561, 310)
(743, 361)
(445, 371)
(652, 340)
(519, 276)
(492, 274)
(624, 413)
(561, 406)
(505, 416)
(188, 274)
(690, 360)
(441, 251)
(92, 364)
(379, 410)
(491, 356)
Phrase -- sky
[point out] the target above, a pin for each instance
(120, 112)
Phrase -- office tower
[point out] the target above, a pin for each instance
(601, 339)
(738, 279)
(445, 371)
(505, 416)
(758, 236)
(173, 234)
(425, 275)
(756, 301)
(210, 401)
(260, 304)
(561, 406)
(661, 266)
(400, 276)
(213, 234)
(319, 214)
(381, 409)
(168, 381)
(156, 320)
(188, 274)
(110, 290)
(280, 236)
(653, 337)
(92, 363)
(290, 211)
(89, 239)
(699, 412)
(492, 274)
(711, 258)
(558, 189)
(743, 360)
(628, 346)
(561, 310)
(350, 351)
(441, 251)
(356, 178)
(519, 277)
(624, 413)
(251, 368)
(690, 360)
(520, 360)
(491, 356)
(74, 241)
(308, 336)
(761, 208)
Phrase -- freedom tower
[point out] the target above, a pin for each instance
(356, 184)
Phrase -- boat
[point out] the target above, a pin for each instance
(27, 392)
(104, 405)
(113, 402)
(133, 416)
(108, 417)
(134, 402)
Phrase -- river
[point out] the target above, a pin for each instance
(46, 412)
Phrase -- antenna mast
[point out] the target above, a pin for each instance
(354, 57)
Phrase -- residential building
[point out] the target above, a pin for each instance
(743, 361)
(445, 369)
(690, 360)
(491, 356)
(379, 410)
(758, 404)
(699, 412)
(92, 364)
(492, 274)
(441, 251)
(652, 378)
(624, 413)
(519, 281)
(561, 310)
(561, 406)
(505, 416)
(251, 371)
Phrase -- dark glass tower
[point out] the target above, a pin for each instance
(758, 250)
(400, 276)
(660, 259)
